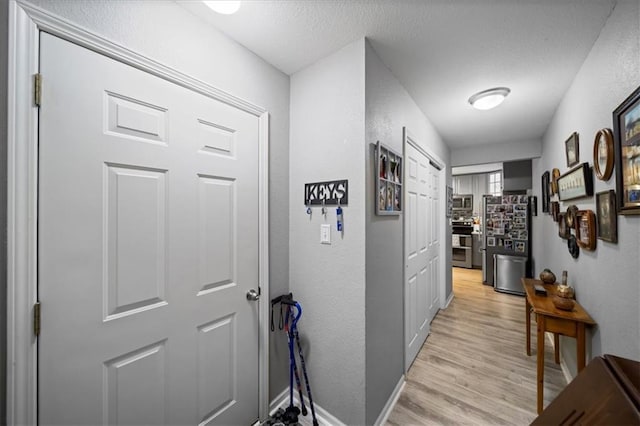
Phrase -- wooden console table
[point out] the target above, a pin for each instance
(556, 321)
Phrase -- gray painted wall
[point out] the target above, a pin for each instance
(168, 33)
(517, 150)
(606, 280)
(327, 143)
(4, 9)
(389, 108)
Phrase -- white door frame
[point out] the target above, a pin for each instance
(409, 139)
(25, 23)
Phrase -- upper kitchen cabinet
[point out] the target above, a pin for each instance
(476, 184)
(463, 184)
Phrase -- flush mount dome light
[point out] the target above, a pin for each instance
(488, 99)
(225, 7)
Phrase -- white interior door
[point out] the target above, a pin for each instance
(148, 243)
(418, 274)
(422, 247)
(433, 252)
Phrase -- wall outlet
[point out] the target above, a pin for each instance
(325, 233)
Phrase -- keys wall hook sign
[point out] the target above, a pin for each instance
(330, 193)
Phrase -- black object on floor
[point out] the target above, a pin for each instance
(292, 314)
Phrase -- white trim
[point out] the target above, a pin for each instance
(563, 365)
(391, 402)
(565, 370)
(22, 169)
(70, 31)
(279, 401)
(25, 23)
(445, 240)
(263, 241)
(448, 302)
(323, 416)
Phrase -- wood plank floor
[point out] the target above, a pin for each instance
(473, 368)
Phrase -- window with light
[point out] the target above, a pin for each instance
(495, 183)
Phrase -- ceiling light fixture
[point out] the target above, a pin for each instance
(488, 99)
(225, 7)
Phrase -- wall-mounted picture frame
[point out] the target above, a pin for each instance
(576, 183)
(555, 174)
(572, 149)
(573, 247)
(585, 227)
(389, 166)
(626, 132)
(570, 216)
(545, 192)
(563, 230)
(607, 216)
(555, 210)
(603, 154)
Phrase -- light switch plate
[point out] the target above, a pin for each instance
(325, 233)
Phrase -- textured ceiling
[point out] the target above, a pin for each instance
(441, 51)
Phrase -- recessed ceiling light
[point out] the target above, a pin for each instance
(488, 99)
(226, 7)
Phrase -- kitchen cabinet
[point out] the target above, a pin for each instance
(463, 184)
(472, 184)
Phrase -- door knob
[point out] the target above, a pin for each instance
(253, 295)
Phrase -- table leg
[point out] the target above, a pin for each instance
(581, 351)
(540, 358)
(556, 348)
(527, 322)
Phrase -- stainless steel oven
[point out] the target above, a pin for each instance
(462, 251)
(462, 243)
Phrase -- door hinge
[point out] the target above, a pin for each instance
(36, 319)
(37, 89)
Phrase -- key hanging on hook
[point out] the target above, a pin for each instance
(339, 218)
(324, 210)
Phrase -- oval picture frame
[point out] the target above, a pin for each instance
(603, 155)
(570, 216)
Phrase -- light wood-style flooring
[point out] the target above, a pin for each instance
(473, 368)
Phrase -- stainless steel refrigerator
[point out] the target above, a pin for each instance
(506, 230)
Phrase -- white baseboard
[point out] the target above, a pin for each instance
(449, 300)
(563, 365)
(279, 400)
(565, 370)
(391, 403)
(324, 417)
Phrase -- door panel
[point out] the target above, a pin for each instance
(216, 233)
(148, 203)
(135, 387)
(217, 380)
(135, 234)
